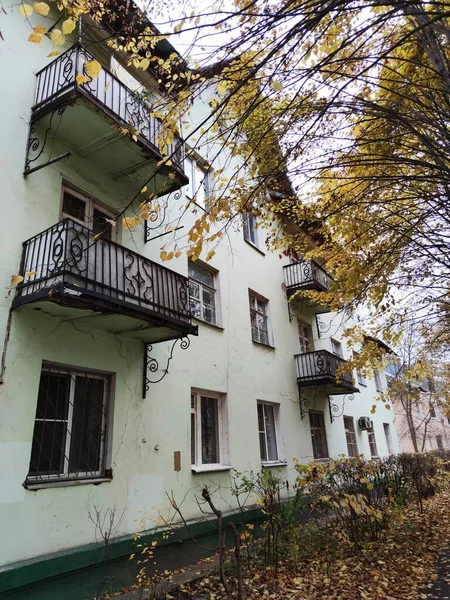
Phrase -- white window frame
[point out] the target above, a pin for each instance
(336, 348)
(253, 308)
(192, 167)
(311, 427)
(214, 290)
(359, 376)
(278, 445)
(378, 382)
(91, 205)
(371, 436)
(352, 432)
(305, 340)
(251, 230)
(106, 427)
(222, 431)
(388, 436)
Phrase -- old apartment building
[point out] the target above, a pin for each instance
(88, 415)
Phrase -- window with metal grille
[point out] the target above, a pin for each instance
(202, 293)
(267, 425)
(387, 433)
(207, 429)
(372, 441)
(69, 437)
(259, 319)
(318, 435)
(350, 435)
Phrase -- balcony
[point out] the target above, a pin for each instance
(69, 274)
(305, 275)
(87, 118)
(319, 368)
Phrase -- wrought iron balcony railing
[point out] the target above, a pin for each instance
(305, 275)
(67, 265)
(320, 368)
(58, 80)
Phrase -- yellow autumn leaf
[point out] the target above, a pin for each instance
(57, 37)
(106, 87)
(42, 8)
(144, 64)
(169, 256)
(171, 175)
(31, 273)
(144, 189)
(163, 255)
(80, 79)
(210, 255)
(16, 279)
(40, 30)
(68, 26)
(130, 222)
(36, 38)
(178, 254)
(25, 10)
(277, 86)
(54, 53)
(93, 68)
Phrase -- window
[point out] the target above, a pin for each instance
(259, 319)
(89, 213)
(250, 226)
(378, 384)
(336, 348)
(350, 435)
(387, 433)
(267, 425)
(199, 188)
(318, 435)
(439, 442)
(372, 441)
(70, 429)
(305, 337)
(207, 429)
(432, 411)
(359, 375)
(202, 293)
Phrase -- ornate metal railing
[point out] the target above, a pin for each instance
(68, 255)
(319, 366)
(305, 274)
(60, 77)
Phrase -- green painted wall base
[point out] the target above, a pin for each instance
(87, 572)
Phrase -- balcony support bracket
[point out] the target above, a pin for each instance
(295, 308)
(151, 364)
(36, 144)
(322, 327)
(308, 403)
(337, 411)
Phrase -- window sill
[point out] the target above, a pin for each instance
(255, 247)
(210, 468)
(213, 325)
(274, 463)
(40, 485)
(263, 344)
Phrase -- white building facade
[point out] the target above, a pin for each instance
(92, 310)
